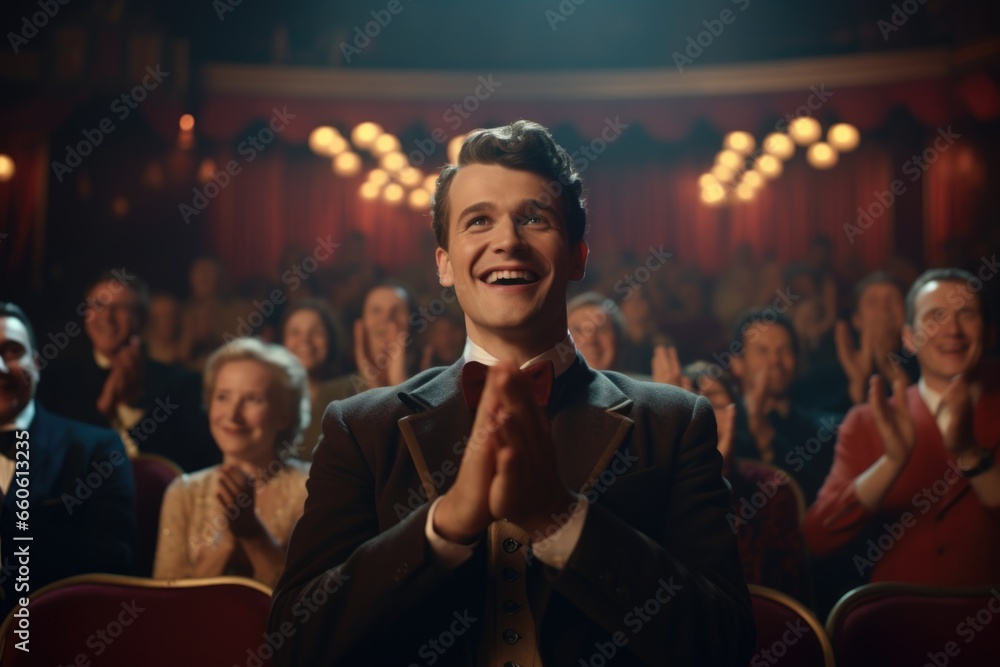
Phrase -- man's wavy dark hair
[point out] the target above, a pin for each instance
(526, 146)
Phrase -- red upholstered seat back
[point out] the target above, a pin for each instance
(896, 624)
(123, 622)
(787, 633)
(153, 475)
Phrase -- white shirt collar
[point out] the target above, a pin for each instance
(23, 419)
(562, 355)
(932, 399)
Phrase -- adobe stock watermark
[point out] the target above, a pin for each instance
(900, 14)
(924, 500)
(435, 647)
(293, 277)
(771, 655)
(122, 108)
(454, 116)
(566, 9)
(372, 29)
(248, 149)
(968, 629)
(331, 582)
(87, 484)
(635, 620)
(31, 25)
(714, 28)
(915, 168)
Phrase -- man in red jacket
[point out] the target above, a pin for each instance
(914, 494)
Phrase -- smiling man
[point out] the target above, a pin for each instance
(572, 514)
(916, 474)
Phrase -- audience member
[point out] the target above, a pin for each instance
(162, 331)
(532, 588)
(236, 518)
(597, 328)
(309, 331)
(772, 548)
(383, 345)
(640, 333)
(208, 315)
(81, 496)
(445, 340)
(922, 463)
(770, 424)
(156, 408)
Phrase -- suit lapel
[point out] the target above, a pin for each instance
(587, 426)
(436, 434)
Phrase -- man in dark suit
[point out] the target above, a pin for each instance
(76, 479)
(156, 408)
(593, 527)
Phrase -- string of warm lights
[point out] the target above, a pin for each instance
(740, 171)
(394, 179)
(7, 168)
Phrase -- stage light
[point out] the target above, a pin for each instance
(722, 173)
(430, 183)
(454, 146)
(393, 162)
(410, 177)
(805, 130)
(779, 145)
(844, 137)
(706, 180)
(393, 193)
(186, 122)
(822, 155)
(729, 158)
(378, 176)
(385, 143)
(739, 141)
(364, 134)
(713, 195)
(419, 200)
(369, 190)
(347, 164)
(745, 192)
(752, 178)
(769, 166)
(7, 168)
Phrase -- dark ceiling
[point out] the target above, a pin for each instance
(530, 34)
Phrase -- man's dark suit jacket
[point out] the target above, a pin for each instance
(81, 506)
(361, 586)
(174, 425)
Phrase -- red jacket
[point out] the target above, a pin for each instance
(931, 528)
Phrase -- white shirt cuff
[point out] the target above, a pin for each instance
(556, 549)
(446, 553)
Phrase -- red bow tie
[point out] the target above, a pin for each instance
(474, 380)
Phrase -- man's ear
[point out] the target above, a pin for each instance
(445, 276)
(578, 260)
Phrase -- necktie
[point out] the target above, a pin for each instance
(474, 380)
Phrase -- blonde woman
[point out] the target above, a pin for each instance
(237, 517)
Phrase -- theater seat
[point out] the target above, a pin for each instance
(153, 475)
(117, 621)
(906, 624)
(788, 634)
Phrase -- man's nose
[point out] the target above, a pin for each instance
(507, 235)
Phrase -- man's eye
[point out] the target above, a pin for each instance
(478, 222)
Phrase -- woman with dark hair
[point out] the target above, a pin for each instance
(309, 331)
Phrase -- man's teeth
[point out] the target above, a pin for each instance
(527, 276)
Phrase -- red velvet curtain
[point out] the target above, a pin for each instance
(953, 197)
(285, 197)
